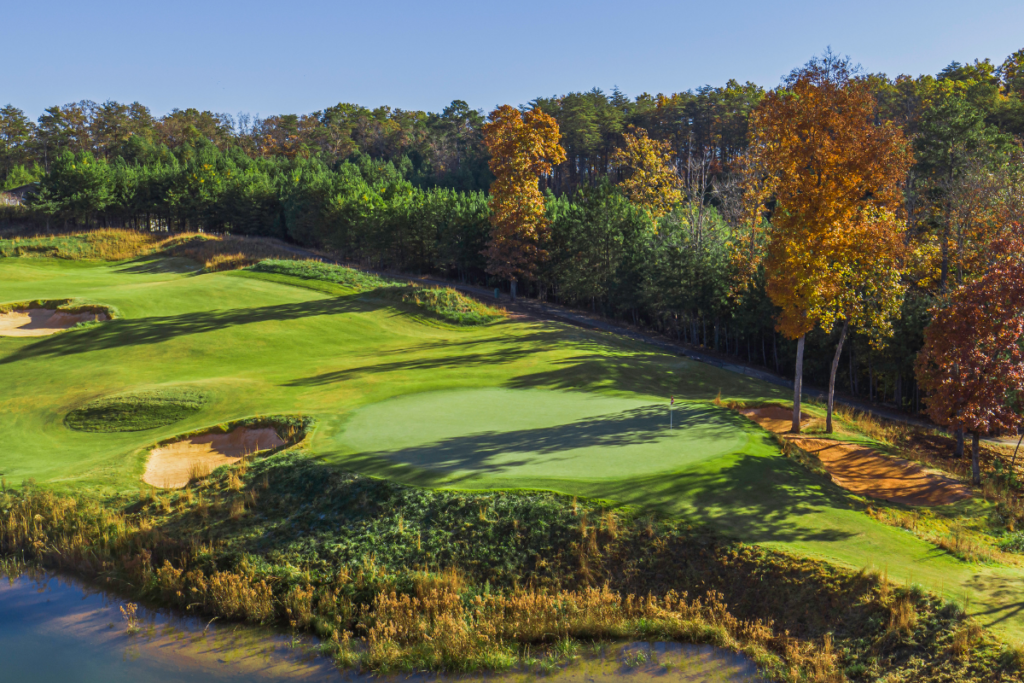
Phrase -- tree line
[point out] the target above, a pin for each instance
(412, 191)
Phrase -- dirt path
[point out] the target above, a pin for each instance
(863, 470)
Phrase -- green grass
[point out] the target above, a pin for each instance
(446, 304)
(449, 305)
(136, 411)
(508, 405)
(325, 272)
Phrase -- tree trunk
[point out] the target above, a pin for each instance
(975, 460)
(512, 288)
(798, 383)
(832, 377)
(958, 452)
(1014, 461)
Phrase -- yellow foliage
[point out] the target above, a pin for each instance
(653, 183)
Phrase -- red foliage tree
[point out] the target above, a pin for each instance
(972, 364)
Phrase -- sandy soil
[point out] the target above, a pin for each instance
(774, 419)
(169, 466)
(864, 470)
(39, 322)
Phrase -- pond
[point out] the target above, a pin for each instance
(54, 629)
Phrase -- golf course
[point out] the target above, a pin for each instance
(394, 392)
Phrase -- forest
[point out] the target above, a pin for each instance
(411, 191)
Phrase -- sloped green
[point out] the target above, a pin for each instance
(136, 411)
(325, 272)
(450, 305)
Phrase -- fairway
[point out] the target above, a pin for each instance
(512, 404)
(530, 433)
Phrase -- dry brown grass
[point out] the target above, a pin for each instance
(202, 507)
(903, 617)
(214, 252)
(853, 421)
(441, 625)
(964, 639)
(198, 470)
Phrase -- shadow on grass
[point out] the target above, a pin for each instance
(509, 354)
(145, 265)
(757, 496)
(754, 499)
(135, 332)
(486, 453)
(1005, 595)
(645, 372)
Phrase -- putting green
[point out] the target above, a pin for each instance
(514, 404)
(533, 433)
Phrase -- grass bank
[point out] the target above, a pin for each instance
(397, 578)
(444, 303)
(515, 404)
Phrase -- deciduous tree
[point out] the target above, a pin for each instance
(834, 176)
(972, 365)
(653, 183)
(523, 146)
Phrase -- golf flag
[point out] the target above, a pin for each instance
(671, 405)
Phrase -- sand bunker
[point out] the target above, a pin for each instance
(170, 466)
(866, 471)
(39, 322)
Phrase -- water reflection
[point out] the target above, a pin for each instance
(57, 630)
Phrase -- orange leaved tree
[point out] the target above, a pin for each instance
(972, 363)
(832, 178)
(523, 146)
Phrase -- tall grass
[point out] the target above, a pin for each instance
(446, 303)
(387, 617)
(309, 269)
(217, 253)
(107, 244)
(213, 252)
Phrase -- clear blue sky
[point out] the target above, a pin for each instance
(301, 55)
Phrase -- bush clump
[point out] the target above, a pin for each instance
(448, 304)
(137, 410)
(445, 303)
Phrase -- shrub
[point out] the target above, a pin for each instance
(324, 272)
(136, 411)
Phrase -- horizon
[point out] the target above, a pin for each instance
(434, 55)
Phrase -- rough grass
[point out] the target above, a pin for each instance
(213, 252)
(447, 304)
(397, 578)
(105, 244)
(135, 411)
(324, 272)
(217, 253)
